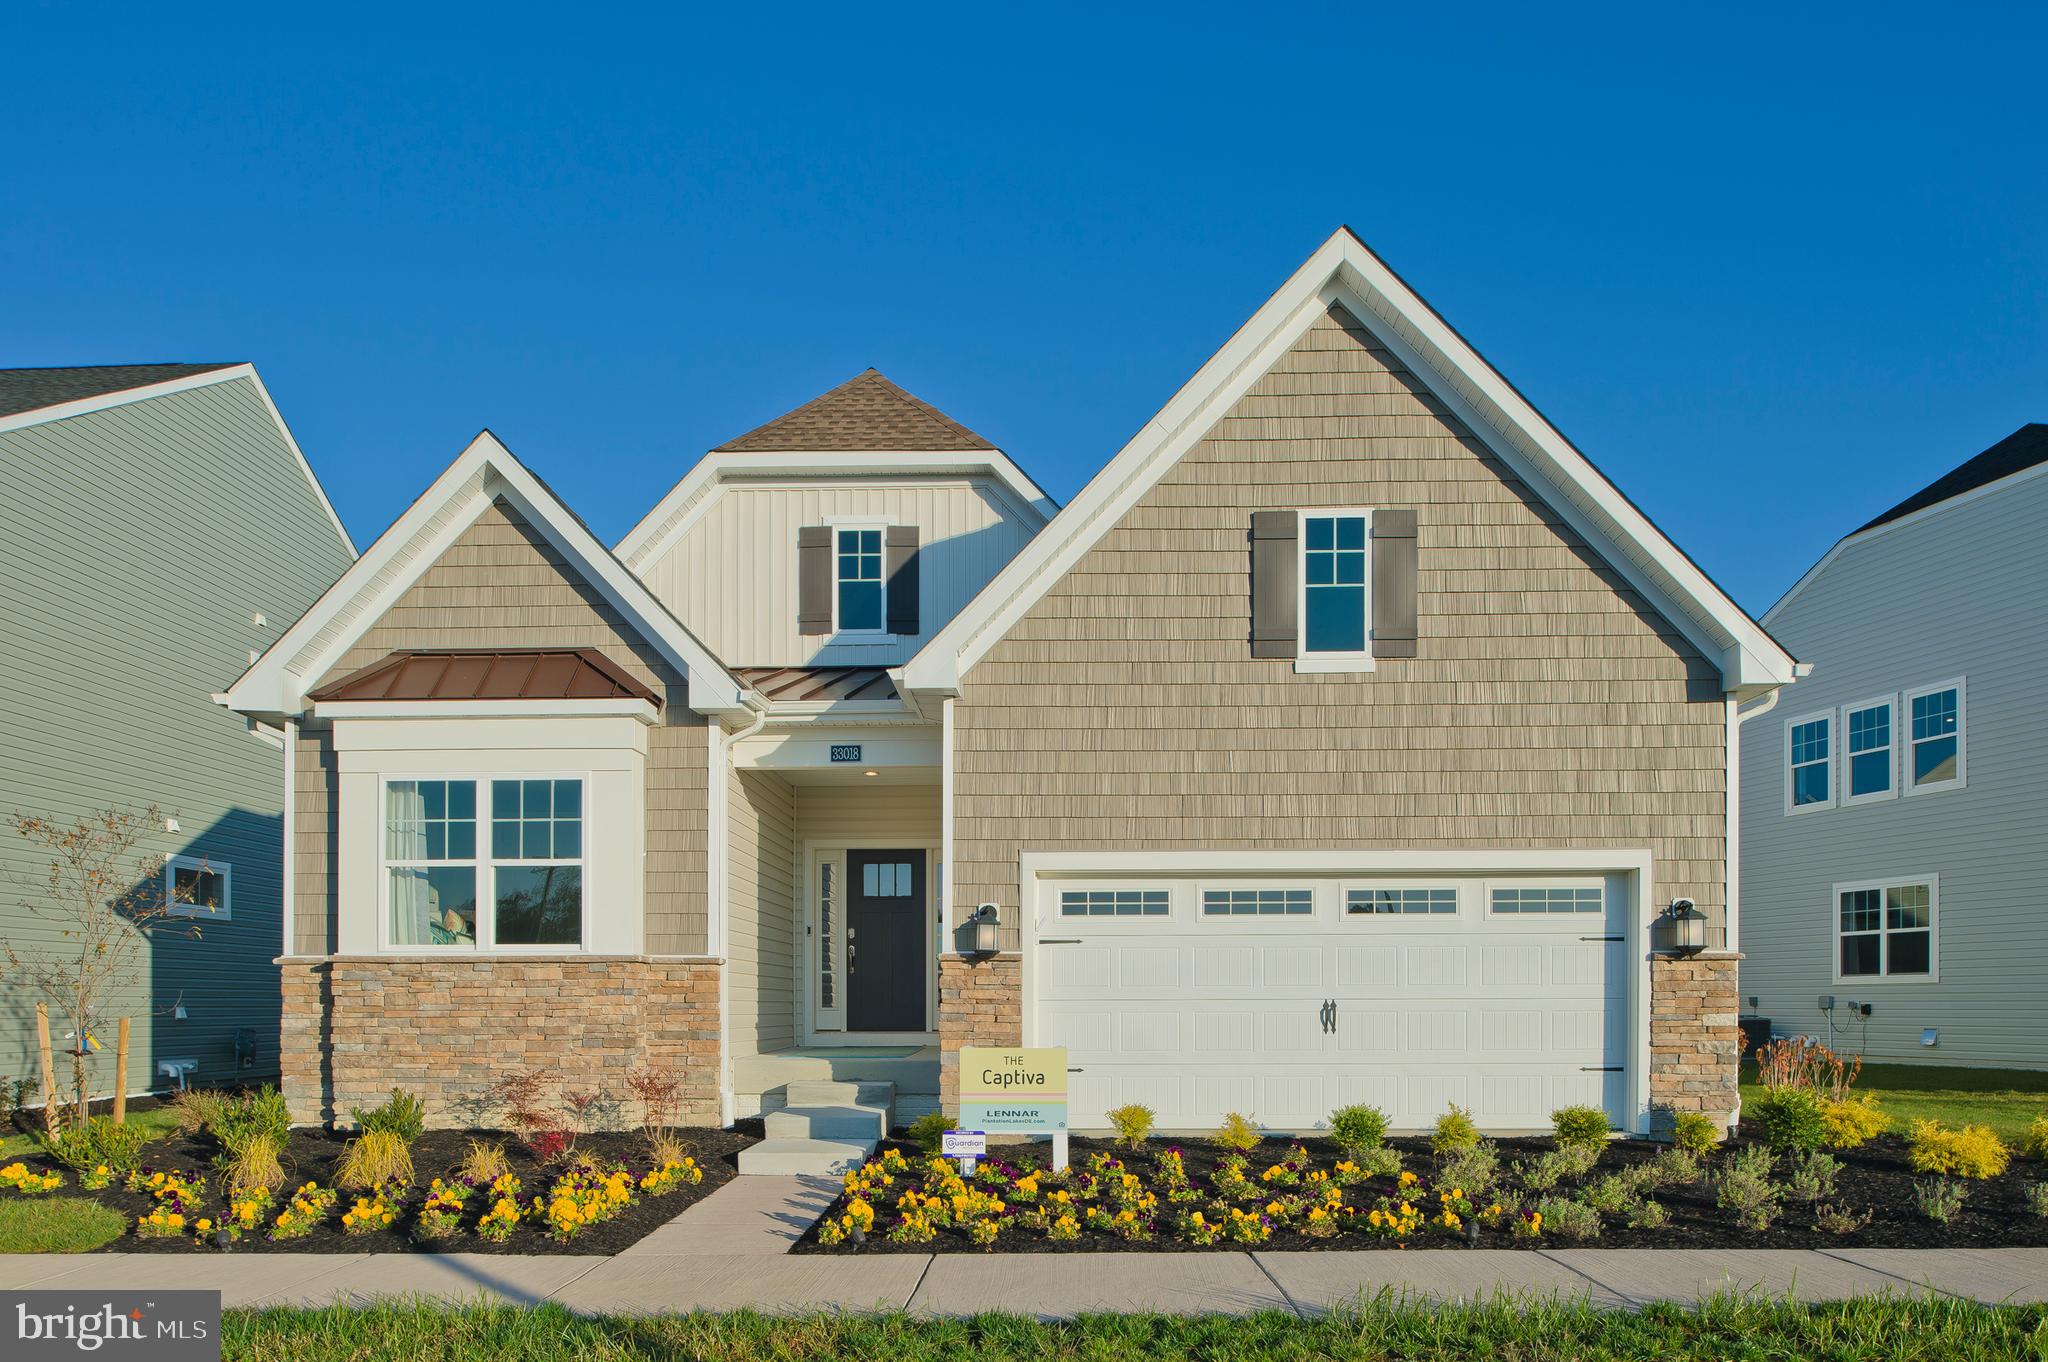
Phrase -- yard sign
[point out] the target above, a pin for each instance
(1014, 1091)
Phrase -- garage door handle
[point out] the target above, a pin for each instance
(1601, 1069)
(1603, 938)
(1066, 940)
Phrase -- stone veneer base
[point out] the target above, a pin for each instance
(355, 1027)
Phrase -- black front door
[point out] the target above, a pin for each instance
(885, 964)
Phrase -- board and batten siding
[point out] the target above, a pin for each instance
(137, 545)
(731, 576)
(761, 920)
(502, 585)
(1955, 593)
(1549, 705)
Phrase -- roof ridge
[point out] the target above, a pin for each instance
(868, 412)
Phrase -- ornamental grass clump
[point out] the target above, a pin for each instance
(402, 1114)
(373, 1160)
(483, 1163)
(1358, 1128)
(238, 1119)
(1132, 1122)
(96, 1142)
(253, 1165)
(1968, 1152)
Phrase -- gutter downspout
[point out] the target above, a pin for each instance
(1737, 717)
(717, 799)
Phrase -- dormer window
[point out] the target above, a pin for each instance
(859, 581)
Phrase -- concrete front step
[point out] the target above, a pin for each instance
(831, 1157)
(840, 1092)
(807, 1120)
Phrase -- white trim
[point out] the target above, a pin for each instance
(1637, 864)
(207, 865)
(1319, 660)
(1960, 685)
(1932, 883)
(1956, 502)
(1847, 787)
(882, 524)
(686, 502)
(625, 707)
(946, 759)
(1344, 270)
(287, 899)
(104, 401)
(717, 821)
(812, 853)
(277, 682)
(1828, 717)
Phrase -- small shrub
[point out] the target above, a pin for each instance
(1648, 1215)
(1833, 1220)
(1611, 1195)
(1554, 1166)
(96, 1142)
(1853, 1121)
(372, 1160)
(1133, 1122)
(1384, 1161)
(1237, 1133)
(1358, 1128)
(1970, 1152)
(1567, 1219)
(2037, 1199)
(1745, 1189)
(196, 1109)
(259, 1113)
(1811, 1177)
(1695, 1132)
(1579, 1125)
(483, 1163)
(1675, 1167)
(1454, 1132)
(402, 1115)
(2034, 1144)
(253, 1165)
(1791, 1119)
(928, 1132)
(1940, 1199)
(1472, 1171)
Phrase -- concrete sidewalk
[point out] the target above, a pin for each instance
(730, 1251)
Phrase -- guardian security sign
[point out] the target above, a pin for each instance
(1015, 1091)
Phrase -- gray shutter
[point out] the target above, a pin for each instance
(899, 569)
(1276, 573)
(1393, 583)
(814, 579)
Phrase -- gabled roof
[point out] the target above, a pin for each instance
(23, 390)
(489, 674)
(34, 397)
(1344, 271)
(865, 413)
(277, 683)
(2023, 449)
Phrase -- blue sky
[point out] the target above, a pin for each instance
(1771, 269)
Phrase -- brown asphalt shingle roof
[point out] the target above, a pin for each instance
(502, 674)
(867, 412)
(23, 390)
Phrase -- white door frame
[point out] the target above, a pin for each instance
(810, 856)
(1638, 864)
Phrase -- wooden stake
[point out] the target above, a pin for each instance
(121, 1074)
(49, 1069)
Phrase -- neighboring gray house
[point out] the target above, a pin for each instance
(1895, 808)
(158, 529)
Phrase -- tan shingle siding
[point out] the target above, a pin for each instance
(1550, 707)
(502, 585)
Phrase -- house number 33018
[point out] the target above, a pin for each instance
(844, 751)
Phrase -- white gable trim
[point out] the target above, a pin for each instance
(278, 681)
(687, 501)
(104, 401)
(1344, 271)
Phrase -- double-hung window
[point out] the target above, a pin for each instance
(1809, 766)
(1886, 928)
(858, 590)
(1867, 731)
(1335, 595)
(1935, 754)
(516, 882)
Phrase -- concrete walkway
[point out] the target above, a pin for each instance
(730, 1251)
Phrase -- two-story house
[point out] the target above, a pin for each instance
(1345, 739)
(1895, 815)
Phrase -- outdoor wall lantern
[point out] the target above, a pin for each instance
(980, 934)
(1688, 927)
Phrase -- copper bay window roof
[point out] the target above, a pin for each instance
(490, 674)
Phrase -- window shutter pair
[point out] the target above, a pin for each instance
(1276, 583)
(817, 579)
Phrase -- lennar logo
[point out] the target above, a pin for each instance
(164, 1326)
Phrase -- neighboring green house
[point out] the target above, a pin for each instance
(158, 529)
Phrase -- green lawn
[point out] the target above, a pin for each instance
(2007, 1100)
(158, 1121)
(1511, 1330)
(56, 1224)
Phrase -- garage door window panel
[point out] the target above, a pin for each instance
(1261, 902)
(1120, 904)
(1547, 900)
(1372, 901)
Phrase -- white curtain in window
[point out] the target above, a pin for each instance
(412, 909)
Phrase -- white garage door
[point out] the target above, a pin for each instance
(1284, 999)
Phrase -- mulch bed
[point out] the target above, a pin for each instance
(1874, 1178)
(312, 1155)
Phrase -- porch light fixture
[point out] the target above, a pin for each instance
(871, 773)
(1688, 927)
(980, 933)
